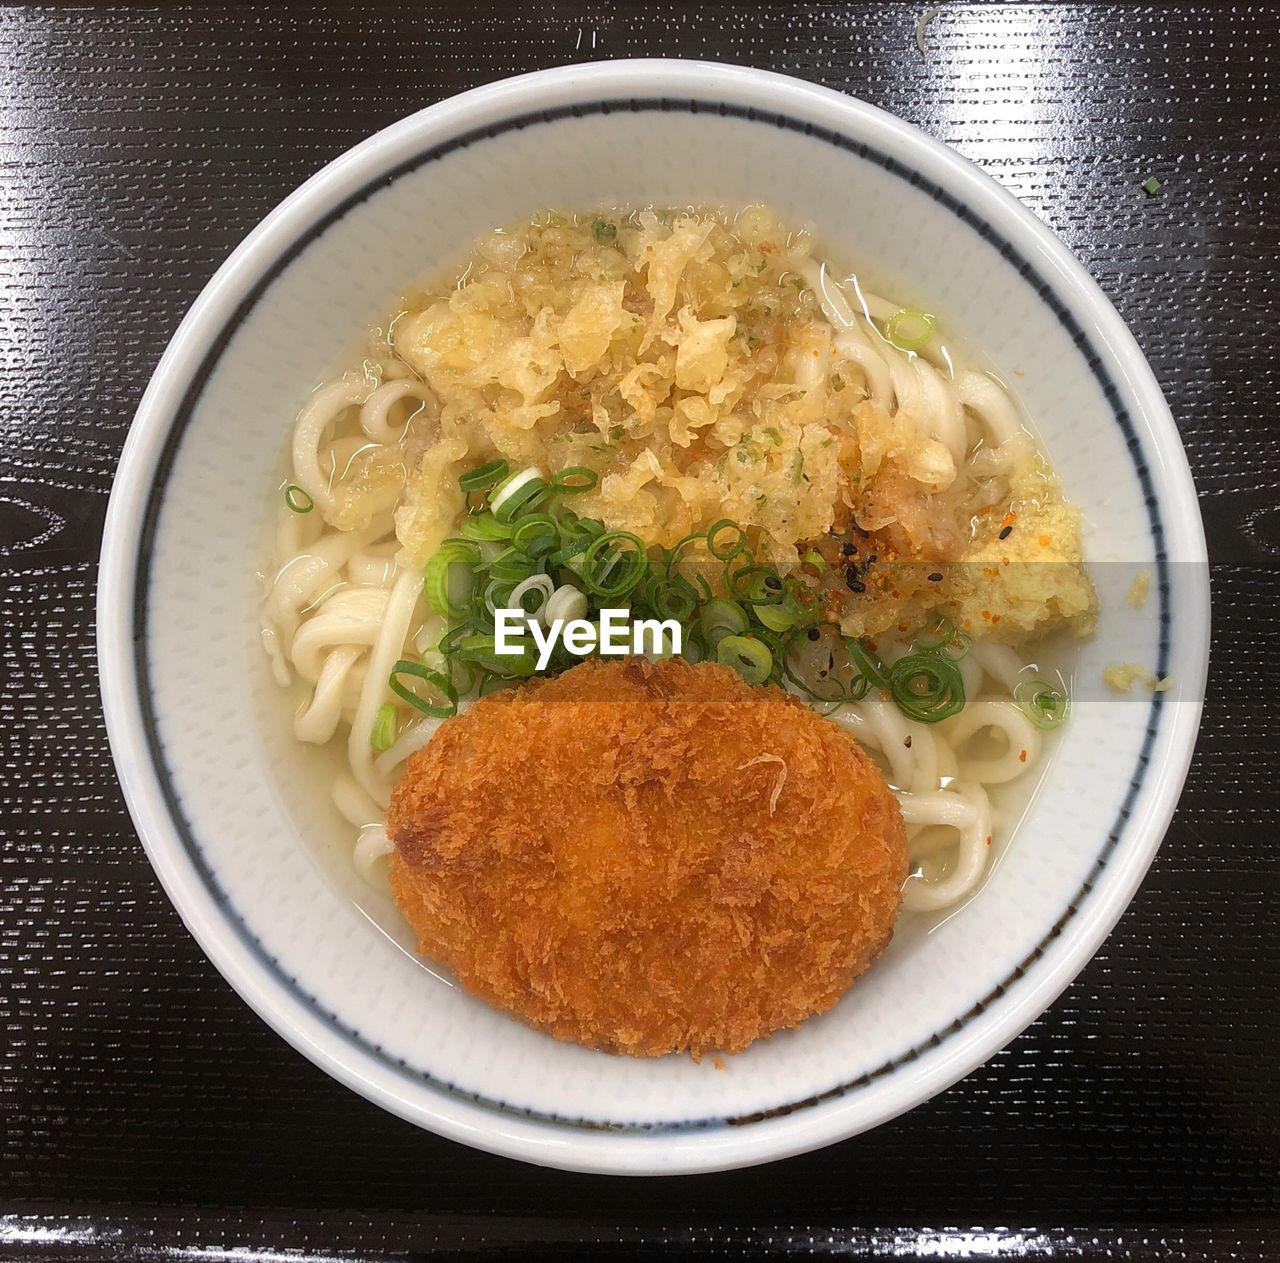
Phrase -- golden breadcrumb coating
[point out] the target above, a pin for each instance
(648, 858)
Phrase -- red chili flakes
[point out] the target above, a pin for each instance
(1044, 541)
(1022, 756)
(995, 618)
(986, 614)
(988, 839)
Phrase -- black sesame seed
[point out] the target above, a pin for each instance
(814, 633)
(936, 577)
(1008, 530)
(773, 583)
(906, 741)
(852, 582)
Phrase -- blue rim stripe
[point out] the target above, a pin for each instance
(183, 418)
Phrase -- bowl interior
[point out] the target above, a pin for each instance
(257, 822)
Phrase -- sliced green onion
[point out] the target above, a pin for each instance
(532, 594)
(757, 585)
(614, 563)
(603, 230)
(484, 477)
(720, 618)
(1045, 705)
(674, 598)
(576, 534)
(513, 565)
(536, 535)
(565, 604)
(815, 559)
(442, 684)
(1151, 186)
(518, 490)
(483, 651)
(449, 581)
(735, 540)
(909, 329)
(775, 617)
(449, 641)
(869, 664)
(574, 479)
(484, 526)
(926, 687)
(749, 658)
(571, 555)
(704, 587)
(464, 675)
(572, 526)
(297, 500)
(497, 595)
(383, 734)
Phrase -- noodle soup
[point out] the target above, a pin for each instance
(690, 369)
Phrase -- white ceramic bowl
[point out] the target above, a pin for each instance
(218, 791)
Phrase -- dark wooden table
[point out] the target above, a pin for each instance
(145, 1113)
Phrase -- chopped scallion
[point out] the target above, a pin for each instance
(383, 734)
(297, 500)
(1045, 705)
(909, 329)
(405, 669)
(927, 687)
(484, 477)
(748, 657)
(518, 490)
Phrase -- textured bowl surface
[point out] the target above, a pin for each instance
(225, 801)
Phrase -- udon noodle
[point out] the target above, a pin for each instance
(377, 452)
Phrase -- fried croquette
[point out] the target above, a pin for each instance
(648, 858)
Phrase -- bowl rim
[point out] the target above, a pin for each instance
(270, 245)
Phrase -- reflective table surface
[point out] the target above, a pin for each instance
(145, 1113)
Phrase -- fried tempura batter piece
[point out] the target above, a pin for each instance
(648, 858)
